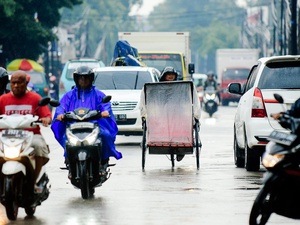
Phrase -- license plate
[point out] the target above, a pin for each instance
(121, 117)
(282, 138)
(14, 133)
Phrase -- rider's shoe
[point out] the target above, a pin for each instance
(179, 157)
(67, 162)
(38, 189)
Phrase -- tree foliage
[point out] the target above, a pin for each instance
(212, 24)
(26, 26)
(99, 21)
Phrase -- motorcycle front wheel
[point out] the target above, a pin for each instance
(30, 210)
(84, 181)
(11, 204)
(261, 209)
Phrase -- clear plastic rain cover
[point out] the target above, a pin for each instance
(169, 113)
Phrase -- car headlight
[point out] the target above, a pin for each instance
(270, 161)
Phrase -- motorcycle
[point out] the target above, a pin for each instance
(17, 164)
(84, 148)
(210, 100)
(281, 185)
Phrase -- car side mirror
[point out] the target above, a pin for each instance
(191, 68)
(235, 88)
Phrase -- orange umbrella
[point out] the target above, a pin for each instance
(24, 64)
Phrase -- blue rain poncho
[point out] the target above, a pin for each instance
(91, 99)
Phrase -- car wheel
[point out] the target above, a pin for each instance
(225, 102)
(239, 154)
(252, 160)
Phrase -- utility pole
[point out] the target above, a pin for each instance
(281, 40)
(293, 45)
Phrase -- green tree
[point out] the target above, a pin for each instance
(212, 24)
(26, 26)
(98, 21)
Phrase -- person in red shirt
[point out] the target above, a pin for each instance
(22, 101)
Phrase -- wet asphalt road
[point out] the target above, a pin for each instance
(216, 194)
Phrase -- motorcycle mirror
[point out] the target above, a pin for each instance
(44, 101)
(279, 98)
(106, 99)
(54, 103)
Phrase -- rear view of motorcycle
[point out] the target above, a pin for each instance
(280, 191)
(17, 164)
(210, 100)
(83, 148)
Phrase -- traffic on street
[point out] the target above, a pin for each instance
(217, 193)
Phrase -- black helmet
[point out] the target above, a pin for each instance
(166, 70)
(210, 73)
(3, 75)
(3, 80)
(83, 71)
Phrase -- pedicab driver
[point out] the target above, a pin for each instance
(170, 74)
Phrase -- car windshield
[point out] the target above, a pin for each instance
(74, 65)
(236, 74)
(109, 80)
(37, 77)
(284, 75)
(161, 60)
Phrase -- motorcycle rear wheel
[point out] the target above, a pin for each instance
(261, 210)
(11, 204)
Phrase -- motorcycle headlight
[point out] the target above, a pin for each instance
(12, 152)
(88, 140)
(72, 138)
(210, 97)
(92, 137)
(270, 161)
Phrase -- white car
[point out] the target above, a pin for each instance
(124, 84)
(253, 123)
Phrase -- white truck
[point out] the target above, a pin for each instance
(161, 49)
(233, 65)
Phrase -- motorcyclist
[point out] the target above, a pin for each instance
(85, 94)
(294, 111)
(22, 101)
(53, 87)
(170, 74)
(3, 81)
(210, 81)
(30, 85)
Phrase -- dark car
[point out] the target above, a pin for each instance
(39, 81)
